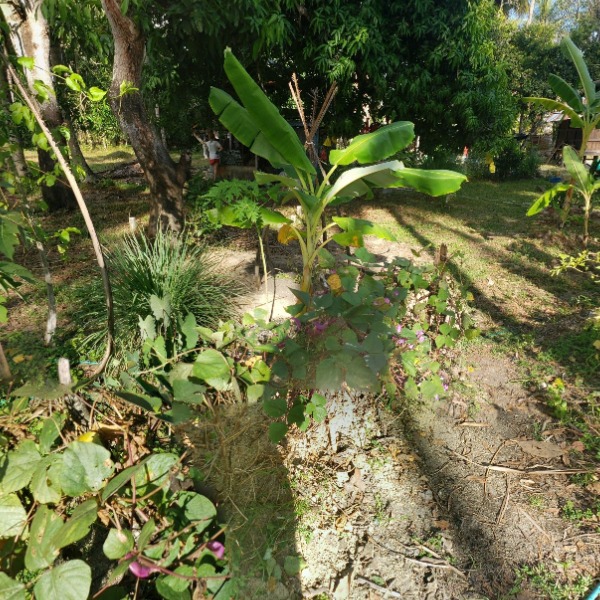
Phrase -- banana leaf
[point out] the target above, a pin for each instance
(227, 215)
(546, 198)
(363, 227)
(359, 181)
(576, 120)
(266, 178)
(238, 120)
(276, 130)
(578, 171)
(576, 56)
(433, 182)
(376, 146)
(567, 92)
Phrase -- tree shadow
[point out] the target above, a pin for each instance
(245, 476)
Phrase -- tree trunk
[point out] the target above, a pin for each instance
(77, 157)
(164, 176)
(17, 155)
(531, 11)
(30, 37)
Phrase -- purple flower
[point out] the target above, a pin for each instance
(217, 549)
(387, 300)
(396, 292)
(420, 336)
(141, 571)
(400, 341)
(399, 328)
(296, 322)
(446, 386)
(319, 326)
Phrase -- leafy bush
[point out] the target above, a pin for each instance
(379, 324)
(515, 162)
(62, 507)
(155, 282)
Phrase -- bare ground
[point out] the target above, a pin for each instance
(443, 501)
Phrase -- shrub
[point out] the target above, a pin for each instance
(165, 279)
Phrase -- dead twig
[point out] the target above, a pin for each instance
(379, 588)
(487, 471)
(532, 471)
(504, 502)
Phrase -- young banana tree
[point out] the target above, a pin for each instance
(257, 124)
(584, 112)
(581, 182)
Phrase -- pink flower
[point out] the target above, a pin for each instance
(217, 549)
(141, 571)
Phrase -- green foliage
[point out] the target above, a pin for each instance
(156, 284)
(542, 580)
(582, 183)
(258, 125)
(42, 547)
(378, 325)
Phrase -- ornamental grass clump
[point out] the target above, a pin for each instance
(162, 281)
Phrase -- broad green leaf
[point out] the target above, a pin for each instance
(146, 534)
(277, 432)
(578, 171)
(546, 198)
(17, 468)
(375, 146)
(77, 525)
(155, 472)
(51, 429)
(11, 589)
(358, 374)
(43, 488)
(353, 239)
(363, 227)
(275, 408)
(26, 62)
(359, 181)
(255, 393)
(9, 236)
(555, 105)
(95, 94)
(13, 517)
(292, 565)
(41, 552)
(49, 390)
(576, 55)
(118, 481)
(272, 217)
(239, 122)
(434, 183)
(188, 328)
(12, 269)
(149, 403)
(188, 391)
(329, 375)
(277, 131)
(196, 508)
(118, 543)
(266, 178)
(161, 308)
(178, 413)
(69, 581)
(175, 588)
(85, 467)
(212, 367)
(566, 92)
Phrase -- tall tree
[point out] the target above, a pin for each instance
(164, 176)
(30, 37)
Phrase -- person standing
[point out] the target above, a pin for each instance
(214, 153)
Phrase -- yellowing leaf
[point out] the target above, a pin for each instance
(90, 437)
(335, 283)
(492, 167)
(19, 358)
(286, 234)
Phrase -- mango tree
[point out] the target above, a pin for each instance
(257, 124)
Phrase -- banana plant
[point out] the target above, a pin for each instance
(582, 182)
(257, 124)
(584, 112)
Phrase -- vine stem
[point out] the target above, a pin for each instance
(84, 211)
